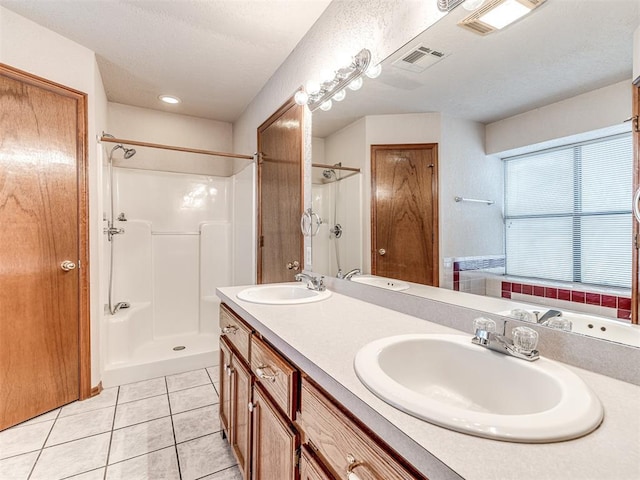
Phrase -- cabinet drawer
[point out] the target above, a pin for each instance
(234, 329)
(342, 444)
(275, 374)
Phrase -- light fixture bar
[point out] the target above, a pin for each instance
(343, 77)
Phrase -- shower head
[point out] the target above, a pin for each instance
(128, 152)
(329, 173)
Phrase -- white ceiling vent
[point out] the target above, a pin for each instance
(474, 23)
(419, 59)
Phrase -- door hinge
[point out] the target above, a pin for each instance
(635, 242)
(261, 241)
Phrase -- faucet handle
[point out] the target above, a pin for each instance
(484, 324)
(525, 340)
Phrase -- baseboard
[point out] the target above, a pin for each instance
(96, 390)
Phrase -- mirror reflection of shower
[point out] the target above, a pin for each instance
(111, 229)
(333, 200)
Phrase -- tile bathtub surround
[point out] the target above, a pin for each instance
(161, 428)
(598, 303)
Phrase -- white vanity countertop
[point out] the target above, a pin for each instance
(322, 339)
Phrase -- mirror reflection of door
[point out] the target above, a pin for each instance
(404, 212)
(280, 204)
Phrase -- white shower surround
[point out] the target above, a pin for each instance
(176, 249)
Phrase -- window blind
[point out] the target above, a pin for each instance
(568, 213)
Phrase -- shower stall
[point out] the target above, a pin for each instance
(169, 243)
(337, 245)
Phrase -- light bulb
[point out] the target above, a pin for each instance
(312, 87)
(326, 76)
(356, 84)
(301, 97)
(326, 106)
(169, 99)
(374, 71)
(338, 97)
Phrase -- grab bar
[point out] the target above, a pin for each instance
(462, 199)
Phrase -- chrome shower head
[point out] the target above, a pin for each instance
(129, 152)
(329, 173)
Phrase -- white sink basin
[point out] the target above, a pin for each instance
(282, 294)
(381, 282)
(450, 382)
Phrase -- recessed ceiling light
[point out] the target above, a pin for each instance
(505, 13)
(169, 99)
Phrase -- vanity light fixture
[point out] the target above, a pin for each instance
(169, 99)
(494, 15)
(319, 94)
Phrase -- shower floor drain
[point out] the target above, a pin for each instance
(179, 347)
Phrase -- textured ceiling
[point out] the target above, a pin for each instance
(215, 55)
(564, 48)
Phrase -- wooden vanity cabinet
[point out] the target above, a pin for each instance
(310, 467)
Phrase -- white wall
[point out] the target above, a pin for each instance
(592, 111)
(28, 46)
(636, 54)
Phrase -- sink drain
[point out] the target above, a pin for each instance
(179, 347)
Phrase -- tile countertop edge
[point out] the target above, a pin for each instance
(299, 328)
(398, 440)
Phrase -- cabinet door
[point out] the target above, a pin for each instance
(225, 387)
(274, 441)
(310, 468)
(241, 397)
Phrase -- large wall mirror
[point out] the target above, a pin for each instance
(560, 76)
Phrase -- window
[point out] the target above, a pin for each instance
(568, 213)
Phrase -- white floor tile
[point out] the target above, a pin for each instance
(81, 425)
(107, 398)
(72, 458)
(204, 456)
(232, 473)
(193, 398)
(52, 415)
(17, 440)
(140, 439)
(196, 423)
(214, 373)
(140, 390)
(19, 467)
(181, 381)
(141, 411)
(92, 475)
(160, 465)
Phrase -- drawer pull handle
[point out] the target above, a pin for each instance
(260, 371)
(229, 371)
(230, 329)
(353, 464)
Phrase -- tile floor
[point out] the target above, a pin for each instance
(165, 428)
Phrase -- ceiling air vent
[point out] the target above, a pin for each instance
(472, 22)
(419, 59)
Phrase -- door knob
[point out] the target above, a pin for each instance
(67, 265)
(293, 265)
(382, 251)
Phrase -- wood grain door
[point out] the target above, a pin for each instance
(280, 205)
(274, 441)
(43, 224)
(225, 388)
(404, 212)
(241, 393)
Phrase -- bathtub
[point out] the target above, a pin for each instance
(133, 353)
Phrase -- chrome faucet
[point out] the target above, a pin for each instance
(110, 230)
(547, 316)
(523, 345)
(349, 274)
(313, 283)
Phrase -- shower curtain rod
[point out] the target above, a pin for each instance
(177, 149)
(335, 167)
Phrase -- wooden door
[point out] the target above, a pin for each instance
(404, 212)
(241, 394)
(44, 343)
(635, 279)
(274, 441)
(310, 468)
(280, 205)
(225, 387)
